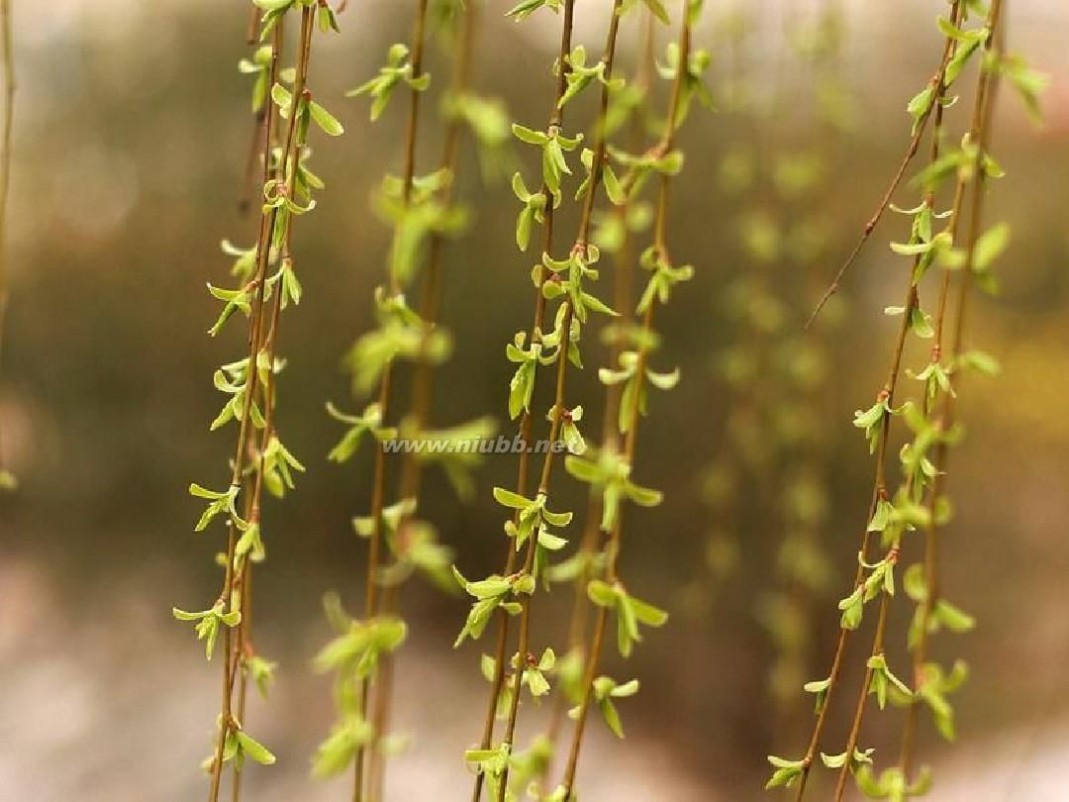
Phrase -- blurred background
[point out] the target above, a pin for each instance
(131, 135)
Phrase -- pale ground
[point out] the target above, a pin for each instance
(82, 713)
(86, 715)
(120, 711)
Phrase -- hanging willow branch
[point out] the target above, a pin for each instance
(538, 207)
(919, 504)
(610, 472)
(8, 482)
(422, 212)
(414, 545)
(260, 460)
(574, 310)
(616, 235)
(356, 653)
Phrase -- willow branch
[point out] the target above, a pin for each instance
(242, 649)
(556, 119)
(378, 493)
(980, 135)
(623, 292)
(423, 379)
(585, 222)
(936, 86)
(232, 577)
(879, 493)
(979, 115)
(634, 414)
(5, 181)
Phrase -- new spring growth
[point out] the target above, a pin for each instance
(266, 285)
(423, 216)
(912, 516)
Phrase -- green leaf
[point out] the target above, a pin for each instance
(507, 498)
(325, 120)
(283, 98)
(644, 496)
(953, 618)
(336, 753)
(550, 541)
(220, 501)
(328, 21)
(8, 481)
(817, 686)
(648, 614)
(254, 749)
(921, 105)
(273, 5)
(882, 516)
(601, 593)
(262, 672)
(664, 381)
(529, 135)
(612, 186)
(1029, 83)
(612, 717)
(526, 7)
(658, 10)
(990, 245)
(785, 772)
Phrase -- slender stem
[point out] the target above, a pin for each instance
(252, 32)
(532, 549)
(374, 561)
(556, 119)
(242, 651)
(859, 710)
(5, 173)
(411, 134)
(249, 182)
(879, 494)
(364, 775)
(585, 221)
(937, 88)
(233, 570)
(880, 482)
(267, 128)
(878, 639)
(601, 144)
(423, 379)
(660, 244)
(980, 135)
(501, 643)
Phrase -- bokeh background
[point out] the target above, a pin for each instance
(130, 137)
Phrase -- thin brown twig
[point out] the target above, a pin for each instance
(252, 160)
(936, 86)
(879, 493)
(252, 32)
(660, 244)
(558, 412)
(243, 648)
(5, 178)
(980, 134)
(267, 225)
(556, 120)
(423, 379)
(365, 776)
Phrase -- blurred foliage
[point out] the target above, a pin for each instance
(128, 171)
